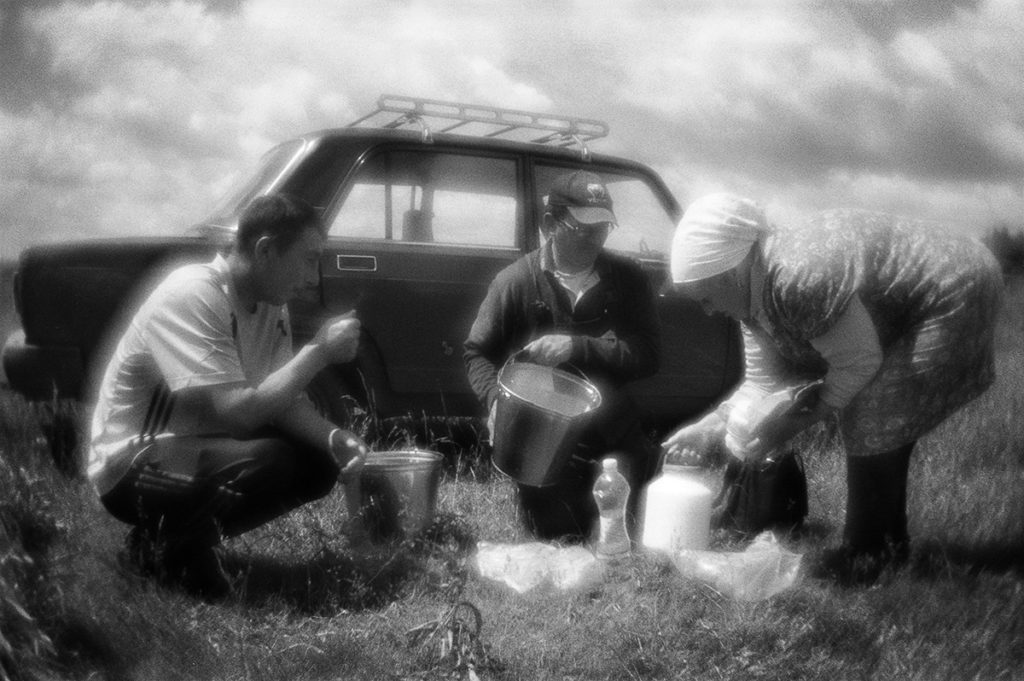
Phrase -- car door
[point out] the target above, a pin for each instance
(419, 235)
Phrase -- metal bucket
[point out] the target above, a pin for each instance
(395, 495)
(540, 412)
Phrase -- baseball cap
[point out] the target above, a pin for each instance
(584, 195)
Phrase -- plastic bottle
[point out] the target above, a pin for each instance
(611, 491)
(677, 511)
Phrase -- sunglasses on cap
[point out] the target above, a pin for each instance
(592, 228)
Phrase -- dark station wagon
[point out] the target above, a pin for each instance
(425, 201)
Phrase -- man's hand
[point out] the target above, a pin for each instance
(550, 350)
(349, 452)
(339, 338)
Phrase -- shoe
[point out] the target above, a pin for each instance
(875, 536)
(848, 566)
(196, 570)
(140, 554)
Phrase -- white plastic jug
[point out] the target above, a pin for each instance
(677, 511)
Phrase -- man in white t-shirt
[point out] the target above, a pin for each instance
(201, 430)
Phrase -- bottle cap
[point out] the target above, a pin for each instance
(609, 464)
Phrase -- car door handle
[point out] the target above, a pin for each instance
(357, 263)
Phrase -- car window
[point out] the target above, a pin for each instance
(429, 198)
(644, 225)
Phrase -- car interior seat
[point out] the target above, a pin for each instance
(416, 226)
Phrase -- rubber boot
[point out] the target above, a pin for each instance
(875, 534)
(876, 501)
(896, 473)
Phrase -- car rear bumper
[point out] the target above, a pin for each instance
(42, 373)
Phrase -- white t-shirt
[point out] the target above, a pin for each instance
(579, 283)
(192, 331)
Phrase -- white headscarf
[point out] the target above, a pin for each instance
(715, 234)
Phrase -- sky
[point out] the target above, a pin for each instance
(131, 117)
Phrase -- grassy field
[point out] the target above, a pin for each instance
(312, 604)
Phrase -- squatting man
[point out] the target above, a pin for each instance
(201, 430)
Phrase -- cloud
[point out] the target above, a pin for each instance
(809, 93)
(130, 116)
(775, 100)
(25, 61)
(137, 114)
(115, 153)
(884, 19)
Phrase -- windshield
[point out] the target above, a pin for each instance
(270, 168)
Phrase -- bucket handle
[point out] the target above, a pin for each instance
(522, 355)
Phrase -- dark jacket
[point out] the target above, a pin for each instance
(614, 326)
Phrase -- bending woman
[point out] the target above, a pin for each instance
(894, 316)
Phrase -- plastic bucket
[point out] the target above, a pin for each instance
(395, 495)
(540, 412)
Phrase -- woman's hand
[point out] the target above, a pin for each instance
(775, 432)
(695, 438)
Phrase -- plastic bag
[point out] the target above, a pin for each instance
(761, 571)
(527, 566)
(749, 411)
(757, 496)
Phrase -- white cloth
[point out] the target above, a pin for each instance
(851, 348)
(191, 331)
(853, 354)
(714, 235)
(579, 283)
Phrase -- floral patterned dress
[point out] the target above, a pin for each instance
(932, 295)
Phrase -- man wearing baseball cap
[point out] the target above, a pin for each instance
(572, 303)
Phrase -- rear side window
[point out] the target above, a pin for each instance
(429, 198)
(644, 225)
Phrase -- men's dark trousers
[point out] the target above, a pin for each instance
(192, 491)
(567, 510)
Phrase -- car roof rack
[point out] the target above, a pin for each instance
(433, 115)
